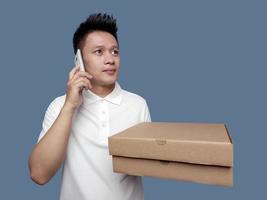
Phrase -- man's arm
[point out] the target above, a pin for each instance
(49, 153)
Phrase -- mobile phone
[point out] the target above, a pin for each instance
(78, 60)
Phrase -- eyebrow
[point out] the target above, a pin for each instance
(102, 46)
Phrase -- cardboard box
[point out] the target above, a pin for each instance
(207, 174)
(195, 152)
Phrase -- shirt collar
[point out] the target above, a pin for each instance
(114, 97)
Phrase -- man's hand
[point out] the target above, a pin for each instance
(78, 80)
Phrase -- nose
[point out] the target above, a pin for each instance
(109, 59)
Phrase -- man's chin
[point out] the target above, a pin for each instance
(106, 83)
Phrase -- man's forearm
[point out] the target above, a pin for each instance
(48, 155)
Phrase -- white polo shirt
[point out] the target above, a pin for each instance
(88, 172)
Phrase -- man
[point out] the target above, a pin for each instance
(77, 125)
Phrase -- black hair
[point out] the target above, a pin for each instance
(95, 22)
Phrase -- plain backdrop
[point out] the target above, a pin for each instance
(193, 61)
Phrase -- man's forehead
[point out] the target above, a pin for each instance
(100, 39)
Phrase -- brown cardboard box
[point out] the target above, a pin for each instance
(208, 174)
(200, 153)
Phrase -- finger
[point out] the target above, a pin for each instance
(73, 72)
(81, 74)
(89, 76)
(82, 84)
(85, 81)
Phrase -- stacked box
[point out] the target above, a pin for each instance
(195, 152)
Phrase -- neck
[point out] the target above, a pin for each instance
(101, 90)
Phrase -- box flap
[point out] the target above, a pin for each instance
(207, 144)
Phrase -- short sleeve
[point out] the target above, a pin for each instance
(51, 115)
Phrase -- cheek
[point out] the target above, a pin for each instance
(118, 61)
(92, 64)
(94, 70)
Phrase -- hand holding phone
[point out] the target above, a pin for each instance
(79, 61)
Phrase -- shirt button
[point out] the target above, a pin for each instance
(102, 100)
(103, 125)
(103, 112)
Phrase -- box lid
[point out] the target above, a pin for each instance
(200, 143)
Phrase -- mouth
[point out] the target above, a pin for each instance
(110, 71)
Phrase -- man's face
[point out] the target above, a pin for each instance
(101, 57)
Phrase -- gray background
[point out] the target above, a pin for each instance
(193, 61)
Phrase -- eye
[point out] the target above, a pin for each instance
(98, 52)
(115, 52)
